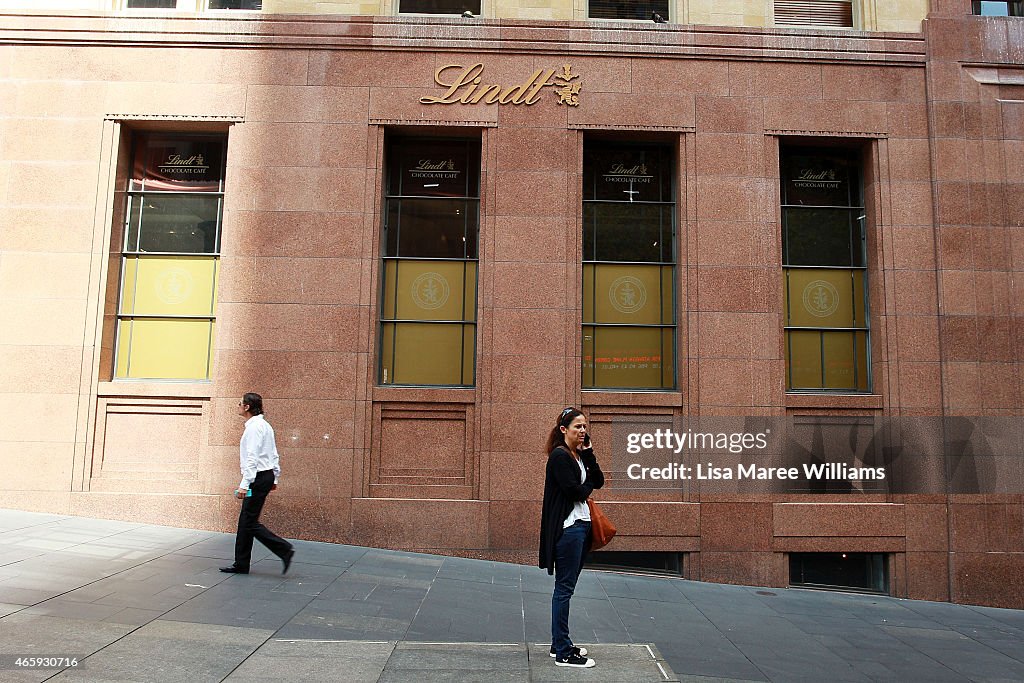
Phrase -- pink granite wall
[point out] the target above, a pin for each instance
(296, 315)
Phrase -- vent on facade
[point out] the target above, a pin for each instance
(151, 4)
(640, 10)
(861, 572)
(670, 564)
(836, 13)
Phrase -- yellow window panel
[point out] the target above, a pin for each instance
(632, 294)
(164, 349)
(430, 290)
(668, 298)
(468, 354)
(804, 371)
(863, 371)
(631, 357)
(588, 356)
(424, 353)
(589, 270)
(668, 363)
(821, 297)
(839, 351)
(859, 293)
(172, 285)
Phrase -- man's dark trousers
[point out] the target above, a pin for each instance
(249, 526)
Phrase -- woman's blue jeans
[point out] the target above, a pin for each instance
(568, 565)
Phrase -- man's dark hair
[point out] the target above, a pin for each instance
(255, 403)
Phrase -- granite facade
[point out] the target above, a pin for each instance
(306, 104)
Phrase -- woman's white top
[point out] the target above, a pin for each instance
(579, 510)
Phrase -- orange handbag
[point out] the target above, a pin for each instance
(601, 528)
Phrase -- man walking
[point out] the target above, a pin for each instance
(260, 471)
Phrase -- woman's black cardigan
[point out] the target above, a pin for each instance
(562, 488)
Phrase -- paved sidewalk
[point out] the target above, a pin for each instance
(136, 602)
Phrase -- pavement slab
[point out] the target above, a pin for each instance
(136, 602)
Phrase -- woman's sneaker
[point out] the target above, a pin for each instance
(575, 660)
(581, 651)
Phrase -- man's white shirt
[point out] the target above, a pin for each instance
(257, 451)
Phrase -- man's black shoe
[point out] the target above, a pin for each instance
(234, 570)
(287, 559)
(581, 651)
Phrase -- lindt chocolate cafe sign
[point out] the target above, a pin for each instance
(467, 85)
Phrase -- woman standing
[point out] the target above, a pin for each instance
(572, 473)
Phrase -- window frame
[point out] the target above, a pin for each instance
(125, 5)
(855, 20)
(470, 144)
(1014, 8)
(181, 6)
(668, 14)
(206, 7)
(398, 11)
(672, 204)
(137, 142)
(856, 157)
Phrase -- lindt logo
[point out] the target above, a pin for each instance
(428, 168)
(622, 169)
(466, 85)
(428, 165)
(621, 173)
(809, 174)
(809, 178)
(177, 163)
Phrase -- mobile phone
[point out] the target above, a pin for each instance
(586, 440)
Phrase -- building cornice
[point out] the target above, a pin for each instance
(445, 34)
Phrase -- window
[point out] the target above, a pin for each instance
(649, 562)
(438, 6)
(824, 255)
(835, 13)
(151, 4)
(628, 267)
(862, 572)
(628, 9)
(236, 4)
(1014, 8)
(428, 305)
(170, 257)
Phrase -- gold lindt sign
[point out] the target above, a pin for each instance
(178, 164)
(465, 86)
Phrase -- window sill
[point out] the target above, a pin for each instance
(600, 397)
(824, 401)
(156, 389)
(424, 394)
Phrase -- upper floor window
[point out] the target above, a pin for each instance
(629, 318)
(151, 4)
(236, 4)
(835, 13)
(429, 270)
(438, 6)
(170, 257)
(628, 9)
(1014, 8)
(824, 270)
(190, 5)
